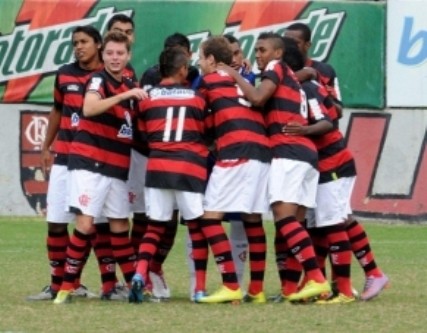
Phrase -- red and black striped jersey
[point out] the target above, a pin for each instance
(335, 159)
(129, 73)
(238, 129)
(69, 90)
(327, 77)
(287, 104)
(102, 143)
(173, 120)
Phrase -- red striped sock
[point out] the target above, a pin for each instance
(199, 253)
(56, 244)
(257, 255)
(220, 245)
(149, 246)
(300, 246)
(123, 253)
(362, 250)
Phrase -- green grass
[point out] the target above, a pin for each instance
(400, 251)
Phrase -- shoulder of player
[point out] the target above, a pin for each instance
(153, 70)
(323, 67)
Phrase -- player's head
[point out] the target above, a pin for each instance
(178, 40)
(87, 43)
(173, 62)
(301, 33)
(268, 47)
(116, 51)
(123, 24)
(236, 50)
(214, 50)
(292, 55)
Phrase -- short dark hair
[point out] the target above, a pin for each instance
(90, 31)
(303, 28)
(177, 39)
(276, 39)
(119, 18)
(219, 48)
(118, 37)
(231, 39)
(292, 55)
(171, 60)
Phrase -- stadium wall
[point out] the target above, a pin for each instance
(385, 128)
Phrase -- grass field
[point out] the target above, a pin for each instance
(400, 250)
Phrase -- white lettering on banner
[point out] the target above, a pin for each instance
(390, 182)
(36, 131)
(28, 51)
(413, 44)
(406, 54)
(325, 27)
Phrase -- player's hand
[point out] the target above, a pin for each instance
(294, 128)
(306, 74)
(136, 93)
(46, 162)
(227, 69)
(247, 66)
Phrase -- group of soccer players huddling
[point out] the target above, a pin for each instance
(197, 146)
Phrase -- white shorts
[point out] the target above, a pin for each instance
(160, 204)
(136, 182)
(292, 181)
(95, 195)
(333, 203)
(57, 196)
(238, 188)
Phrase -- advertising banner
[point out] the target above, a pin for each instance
(35, 37)
(407, 53)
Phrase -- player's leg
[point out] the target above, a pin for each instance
(57, 238)
(239, 244)
(160, 205)
(292, 186)
(375, 279)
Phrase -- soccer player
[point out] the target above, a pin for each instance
(237, 61)
(337, 175)
(293, 176)
(324, 72)
(237, 235)
(239, 177)
(124, 24)
(99, 160)
(152, 76)
(375, 279)
(172, 119)
(63, 120)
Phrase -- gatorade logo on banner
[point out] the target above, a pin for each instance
(40, 42)
(325, 27)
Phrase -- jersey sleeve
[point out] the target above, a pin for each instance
(97, 84)
(273, 72)
(58, 98)
(315, 101)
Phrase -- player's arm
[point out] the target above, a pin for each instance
(51, 132)
(94, 104)
(257, 96)
(321, 127)
(306, 74)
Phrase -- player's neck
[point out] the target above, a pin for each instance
(116, 75)
(172, 80)
(91, 66)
